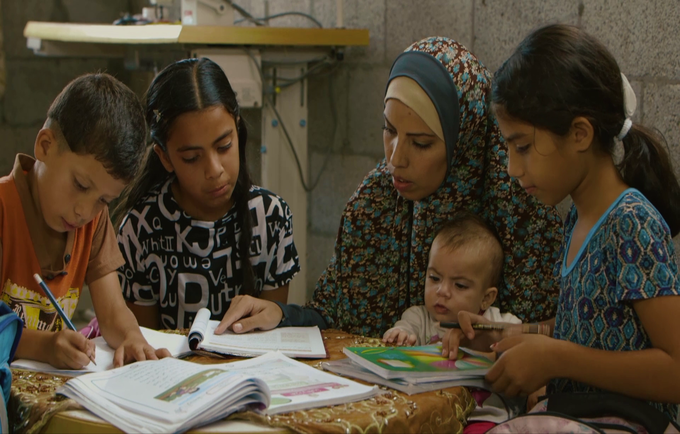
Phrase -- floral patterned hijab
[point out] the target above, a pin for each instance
(381, 253)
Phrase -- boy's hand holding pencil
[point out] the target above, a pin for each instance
(69, 348)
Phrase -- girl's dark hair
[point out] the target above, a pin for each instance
(560, 72)
(187, 86)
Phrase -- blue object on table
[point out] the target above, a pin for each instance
(11, 327)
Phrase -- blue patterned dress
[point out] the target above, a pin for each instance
(628, 255)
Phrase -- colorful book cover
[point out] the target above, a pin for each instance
(424, 362)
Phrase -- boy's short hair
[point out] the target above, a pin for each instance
(466, 228)
(98, 115)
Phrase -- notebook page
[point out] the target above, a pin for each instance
(291, 341)
(176, 344)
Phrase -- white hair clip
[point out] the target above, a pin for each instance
(158, 115)
(629, 105)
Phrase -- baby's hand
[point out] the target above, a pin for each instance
(399, 336)
(451, 341)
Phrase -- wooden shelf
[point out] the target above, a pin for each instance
(198, 35)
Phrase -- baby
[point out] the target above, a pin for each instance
(463, 272)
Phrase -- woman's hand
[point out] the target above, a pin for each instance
(400, 337)
(525, 364)
(248, 313)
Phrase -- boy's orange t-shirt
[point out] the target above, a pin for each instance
(87, 257)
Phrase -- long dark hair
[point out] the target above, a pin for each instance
(187, 86)
(560, 72)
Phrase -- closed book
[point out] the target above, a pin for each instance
(348, 368)
(419, 364)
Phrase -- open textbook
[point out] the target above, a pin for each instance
(171, 395)
(176, 344)
(418, 365)
(303, 342)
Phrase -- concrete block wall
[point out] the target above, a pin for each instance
(33, 82)
(642, 34)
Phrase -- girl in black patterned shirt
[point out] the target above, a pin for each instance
(192, 215)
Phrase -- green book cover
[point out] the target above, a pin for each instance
(424, 362)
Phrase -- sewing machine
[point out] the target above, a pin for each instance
(207, 13)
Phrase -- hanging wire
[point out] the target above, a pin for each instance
(283, 14)
(246, 15)
(334, 115)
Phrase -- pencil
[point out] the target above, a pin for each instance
(529, 328)
(57, 307)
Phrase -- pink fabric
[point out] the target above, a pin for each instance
(478, 427)
(480, 395)
(539, 425)
(91, 330)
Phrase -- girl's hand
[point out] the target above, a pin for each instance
(400, 337)
(532, 400)
(136, 348)
(248, 313)
(69, 350)
(525, 364)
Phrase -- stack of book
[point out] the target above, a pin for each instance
(413, 369)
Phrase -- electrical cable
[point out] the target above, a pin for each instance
(246, 15)
(311, 71)
(334, 115)
(294, 62)
(283, 14)
(314, 184)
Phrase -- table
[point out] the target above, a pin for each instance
(34, 407)
(291, 48)
(49, 35)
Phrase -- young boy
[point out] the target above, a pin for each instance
(54, 221)
(464, 269)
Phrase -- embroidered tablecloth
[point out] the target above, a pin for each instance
(34, 402)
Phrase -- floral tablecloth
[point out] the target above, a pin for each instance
(34, 402)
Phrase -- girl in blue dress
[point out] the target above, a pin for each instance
(563, 106)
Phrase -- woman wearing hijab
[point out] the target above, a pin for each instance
(443, 154)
